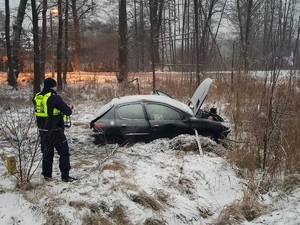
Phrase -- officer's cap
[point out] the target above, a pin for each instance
(49, 83)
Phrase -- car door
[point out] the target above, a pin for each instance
(131, 121)
(166, 121)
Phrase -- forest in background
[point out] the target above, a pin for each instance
(191, 37)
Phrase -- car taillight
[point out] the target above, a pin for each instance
(99, 125)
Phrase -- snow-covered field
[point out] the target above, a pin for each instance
(162, 182)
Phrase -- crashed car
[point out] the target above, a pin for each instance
(147, 117)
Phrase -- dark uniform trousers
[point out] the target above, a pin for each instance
(50, 140)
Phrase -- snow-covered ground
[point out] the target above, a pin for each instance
(162, 182)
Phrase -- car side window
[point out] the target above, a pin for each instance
(131, 111)
(161, 112)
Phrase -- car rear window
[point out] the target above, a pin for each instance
(161, 112)
(132, 111)
(108, 115)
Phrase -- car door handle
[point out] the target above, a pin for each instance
(156, 126)
(123, 125)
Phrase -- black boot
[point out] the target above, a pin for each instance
(68, 179)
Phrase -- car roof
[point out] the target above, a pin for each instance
(146, 98)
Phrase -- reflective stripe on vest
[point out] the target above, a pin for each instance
(41, 108)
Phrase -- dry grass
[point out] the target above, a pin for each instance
(91, 219)
(124, 186)
(253, 134)
(162, 197)
(291, 183)
(146, 200)
(94, 215)
(204, 212)
(83, 162)
(81, 204)
(152, 221)
(248, 209)
(119, 215)
(114, 166)
(245, 160)
(54, 218)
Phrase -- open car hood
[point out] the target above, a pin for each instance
(199, 96)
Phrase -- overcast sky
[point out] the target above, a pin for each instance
(12, 4)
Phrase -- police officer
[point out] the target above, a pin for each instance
(50, 110)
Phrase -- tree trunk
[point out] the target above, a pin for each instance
(36, 48)
(59, 46)
(10, 77)
(183, 53)
(44, 39)
(196, 10)
(142, 35)
(156, 9)
(66, 58)
(152, 46)
(296, 51)
(245, 31)
(136, 41)
(16, 37)
(77, 36)
(123, 45)
(207, 17)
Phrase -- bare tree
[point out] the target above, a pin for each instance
(141, 36)
(245, 29)
(196, 10)
(19, 130)
(36, 48)
(123, 43)
(59, 46)
(156, 12)
(207, 12)
(66, 33)
(280, 38)
(11, 77)
(79, 10)
(44, 38)
(137, 53)
(16, 41)
(77, 44)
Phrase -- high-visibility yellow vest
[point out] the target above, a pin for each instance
(41, 108)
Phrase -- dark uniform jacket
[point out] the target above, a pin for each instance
(53, 122)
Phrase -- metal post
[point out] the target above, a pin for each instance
(11, 164)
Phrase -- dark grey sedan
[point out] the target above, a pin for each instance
(148, 117)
